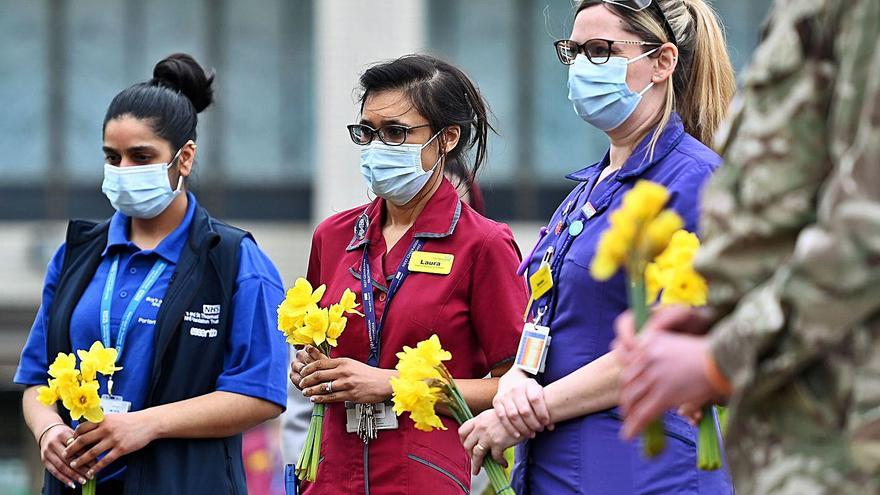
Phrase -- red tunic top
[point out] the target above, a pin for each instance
(476, 311)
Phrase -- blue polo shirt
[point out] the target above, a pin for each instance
(255, 360)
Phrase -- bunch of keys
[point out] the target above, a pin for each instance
(366, 429)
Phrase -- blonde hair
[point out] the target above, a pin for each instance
(703, 83)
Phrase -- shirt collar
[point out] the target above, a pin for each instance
(639, 161)
(437, 220)
(171, 245)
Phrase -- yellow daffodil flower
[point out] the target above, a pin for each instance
(348, 301)
(419, 399)
(63, 366)
(83, 401)
(686, 287)
(659, 233)
(97, 359)
(337, 322)
(645, 201)
(315, 325)
(48, 395)
(300, 299)
(432, 352)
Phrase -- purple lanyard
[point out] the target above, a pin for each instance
(373, 329)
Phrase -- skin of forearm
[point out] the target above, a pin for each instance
(594, 387)
(214, 415)
(36, 414)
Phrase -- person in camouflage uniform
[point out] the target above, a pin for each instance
(791, 228)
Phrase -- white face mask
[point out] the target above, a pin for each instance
(142, 191)
(395, 173)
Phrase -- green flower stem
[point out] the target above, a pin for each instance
(708, 449)
(318, 418)
(462, 413)
(654, 436)
(89, 487)
(307, 464)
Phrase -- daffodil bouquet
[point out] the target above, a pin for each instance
(77, 388)
(304, 322)
(673, 278)
(639, 230)
(424, 381)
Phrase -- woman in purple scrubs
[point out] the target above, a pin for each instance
(656, 78)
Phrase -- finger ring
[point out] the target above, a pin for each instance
(69, 441)
(329, 387)
(480, 447)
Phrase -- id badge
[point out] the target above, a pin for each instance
(531, 356)
(383, 416)
(114, 404)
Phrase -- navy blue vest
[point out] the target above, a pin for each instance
(183, 367)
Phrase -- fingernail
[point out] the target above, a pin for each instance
(517, 435)
(82, 481)
(73, 464)
(312, 399)
(72, 485)
(90, 474)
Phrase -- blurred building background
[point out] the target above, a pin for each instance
(274, 155)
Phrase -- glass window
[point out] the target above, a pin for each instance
(23, 91)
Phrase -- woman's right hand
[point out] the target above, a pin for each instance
(520, 405)
(52, 447)
(306, 355)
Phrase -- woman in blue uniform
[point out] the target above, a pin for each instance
(188, 302)
(656, 78)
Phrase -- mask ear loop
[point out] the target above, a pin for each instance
(646, 54)
(171, 164)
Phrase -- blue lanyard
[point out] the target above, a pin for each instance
(136, 300)
(373, 329)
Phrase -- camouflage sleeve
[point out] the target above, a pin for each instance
(793, 220)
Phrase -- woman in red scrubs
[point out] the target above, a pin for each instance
(418, 115)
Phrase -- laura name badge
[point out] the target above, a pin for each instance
(436, 263)
(533, 346)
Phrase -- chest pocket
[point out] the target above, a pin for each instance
(430, 297)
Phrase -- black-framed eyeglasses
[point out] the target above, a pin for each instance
(639, 5)
(392, 135)
(597, 50)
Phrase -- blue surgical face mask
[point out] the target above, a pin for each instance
(600, 94)
(142, 191)
(395, 173)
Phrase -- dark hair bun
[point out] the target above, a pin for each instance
(181, 72)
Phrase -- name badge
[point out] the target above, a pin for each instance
(114, 404)
(541, 281)
(531, 356)
(383, 417)
(436, 263)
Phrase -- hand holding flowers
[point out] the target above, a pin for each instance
(305, 323)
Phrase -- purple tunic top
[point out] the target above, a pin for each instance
(585, 455)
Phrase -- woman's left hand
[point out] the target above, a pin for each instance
(117, 435)
(483, 435)
(344, 379)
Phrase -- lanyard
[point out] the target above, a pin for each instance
(136, 300)
(373, 329)
(558, 252)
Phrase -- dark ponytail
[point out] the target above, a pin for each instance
(170, 101)
(444, 95)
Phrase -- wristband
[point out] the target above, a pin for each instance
(46, 430)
